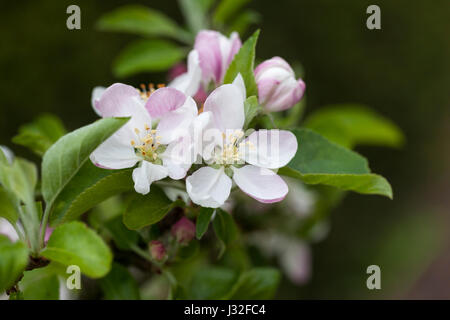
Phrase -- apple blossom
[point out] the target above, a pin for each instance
(157, 250)
(137, 142)
(248, 161)
(9, 155)
(209, 61)
(216, 53)
(7, 229)
(277, 87)
(294, 255)
(183, 230)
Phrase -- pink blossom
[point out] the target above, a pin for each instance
(277, 87)
(183, 230)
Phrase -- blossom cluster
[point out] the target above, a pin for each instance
(194, 128)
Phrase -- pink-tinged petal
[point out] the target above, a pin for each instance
(116, 152)
(209, 187)
(275, 62)
(208, 47)
(176, 123)
(236, 45)
(239, 82)
(295, 260)
(118, 100)
(163, 101)
(227, 106)
(48, 233)
(277, 87)
(189, 82)
(270, 148)
(8, 230)
(97, 93)
(285, 95)
(261, 184)
(265, 89)
(146, 174)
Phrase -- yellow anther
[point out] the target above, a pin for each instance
(133, 142)
(137, 130)
(146, 127)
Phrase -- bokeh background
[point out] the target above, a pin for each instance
(402, 71)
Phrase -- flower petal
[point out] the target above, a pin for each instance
(116, 152)
(175, 124)
(270, 148)
(227, 106)
(118, 100)
(145, 174)
(178, 157)
(8, 230)
(189, 82)
(239, 82)
(97, 93)
(164, 100)
(261, 184)
(275, 62)
(209, 187)
(208, 47)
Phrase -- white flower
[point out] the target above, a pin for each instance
(8, 230)
(159, 151)
(9, 155)
(248, 161)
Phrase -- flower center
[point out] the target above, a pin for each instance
(148, 148)
(231, 152)
(146, 91)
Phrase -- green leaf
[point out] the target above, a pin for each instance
(243, 63)
(226, 9)
(67, 156)
(147, 55)
(256, 284)
(351, 125)
(75, 244)
(7, 208)
(13, 260)
(119, 284)
(89, 187)
(203, 220)
(225, 229)
(143, 21)
(251, 109)
(40, 284)
(40, 134)
(319, 161)
(212, 283)
(123, 237)
(147, 210)
(195, 13)
(19, 179)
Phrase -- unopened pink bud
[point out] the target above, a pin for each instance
(183, 230)
(157, 250)
(277, 87)
(48, 233)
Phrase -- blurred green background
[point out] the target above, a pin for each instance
(402, 71)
